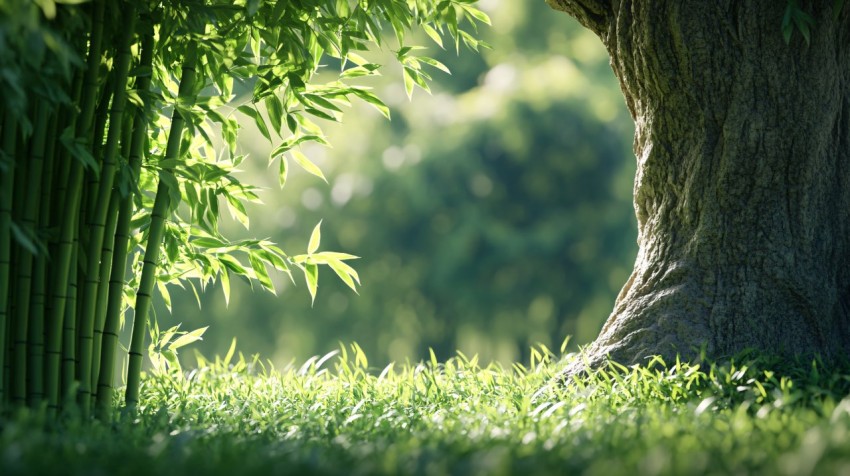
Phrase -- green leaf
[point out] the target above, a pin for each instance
(283, 169)
(261, 272)
(306, 164)
(370, 69)
(476, 13)
(408, 82)
(373, 100)
(316, 99)
(232, 264)
(434, 63)
(166, 296)
(275, 108)
(76, 146)
(249, 111)
(188, 338)
(295, 140)
(320, 113)
(229, 356)
(237, 209)
(345, 273)
(225, 286)
(208, 242)
(24, 239)
(333, 255)
(168, 180)
(804, 30)
(315, 238)
(274, 258)
(433, 34)
(311, 274)
(291, 123)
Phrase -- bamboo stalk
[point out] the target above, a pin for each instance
(64, 276)
(157, 228)
(102, 117)
(35, 362)
(115, 303)
(25, 267)
(107, 252)
(69, 335)
(10, 129)
(97, 223)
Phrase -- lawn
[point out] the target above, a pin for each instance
(338, 415)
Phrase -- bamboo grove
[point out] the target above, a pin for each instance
(118, 147)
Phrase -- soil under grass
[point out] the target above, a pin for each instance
(341, 417)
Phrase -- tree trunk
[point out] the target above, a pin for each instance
(742, 192)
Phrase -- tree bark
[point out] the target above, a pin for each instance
(742, 191)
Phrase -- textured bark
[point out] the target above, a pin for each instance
(742, 191)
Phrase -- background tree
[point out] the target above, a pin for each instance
(743, 184)
(491, 215)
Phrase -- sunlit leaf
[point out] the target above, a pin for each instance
(261, 272)
(306, 164)
(311, 274)
(315, 238)
(188, 338)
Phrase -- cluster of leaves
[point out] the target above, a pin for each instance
(336, 415)
(253, 66)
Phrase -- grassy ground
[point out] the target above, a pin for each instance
(745, 416)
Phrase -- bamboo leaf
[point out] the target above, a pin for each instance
(307, 165)
(225, 285)
(261, 272)
(163, 292)
(283, 170)
(315, 238)
(208, 242)
(232, 264)
(251, 112)
(311, 274)
(476, 13)
(373, 100)
(237, 210)
(430, 31)
(408, 82)
(275, 108)
(434, 63)
(340, 269)
(316, 99)
(320, 113)
(333, 255)
(369, 69)
(188, 338)
(25, 239)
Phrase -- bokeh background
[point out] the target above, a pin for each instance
(491, 215)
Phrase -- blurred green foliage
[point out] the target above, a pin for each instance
(491, 215)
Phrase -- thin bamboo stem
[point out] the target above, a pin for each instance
(25, 268)
(35, 362)
(157, 228)
(64, 268)
(10, 128)
(97, 223)
(115, 303)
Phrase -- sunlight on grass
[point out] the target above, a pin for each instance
(336, 415)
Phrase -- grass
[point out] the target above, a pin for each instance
(749, 415)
